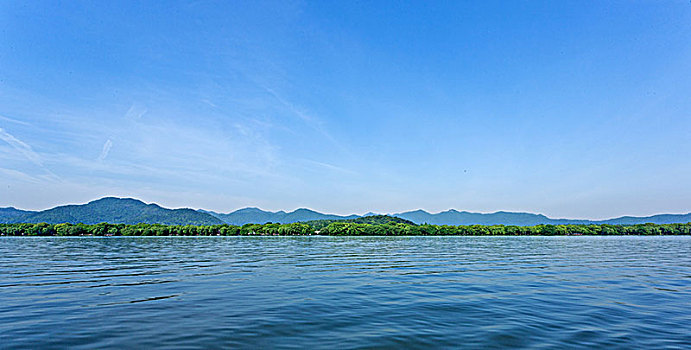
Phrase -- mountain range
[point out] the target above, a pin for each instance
(112, 210)
(454, 217)
(133, 211)
(258, 216)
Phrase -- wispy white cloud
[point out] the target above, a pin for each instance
(331, 167)
(313, 122)
(302, 115)
(209, 103)
(18, 175)
(160, 152)
(135, 112)
(12, 120)
(21, 147)
(28, 153)
(106, 149)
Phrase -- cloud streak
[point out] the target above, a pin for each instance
(21, 147)
(27, 152)
(135, 112)
(106, 149)
(314, 123)
(18, 175)
(12, 120)
(331, 167)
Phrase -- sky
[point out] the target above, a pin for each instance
(567, 108)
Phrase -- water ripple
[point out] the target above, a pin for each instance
(345, 292)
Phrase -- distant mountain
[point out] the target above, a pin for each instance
(258, 216)
(655, 219)
(9, 215)
(454, 217)
(133, 211)
(450, 217)
(111, 210)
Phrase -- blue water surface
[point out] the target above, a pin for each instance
(345, 292)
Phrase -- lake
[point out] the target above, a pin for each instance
(345, 292)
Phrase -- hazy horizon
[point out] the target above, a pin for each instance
(566, 109)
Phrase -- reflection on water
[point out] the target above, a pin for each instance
(345, 292)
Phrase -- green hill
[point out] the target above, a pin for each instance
(372, 220)
(115, 211)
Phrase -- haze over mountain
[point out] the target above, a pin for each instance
(132, 211)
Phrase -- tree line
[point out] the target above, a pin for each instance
(371, 219)
(337, 229)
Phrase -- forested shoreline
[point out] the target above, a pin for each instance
(337, 229)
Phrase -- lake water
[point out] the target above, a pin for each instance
(345, 292)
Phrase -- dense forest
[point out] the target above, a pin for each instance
(371, 220)
(338, 228)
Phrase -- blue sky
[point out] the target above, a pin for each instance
(567, 108)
